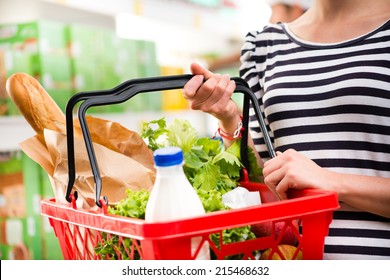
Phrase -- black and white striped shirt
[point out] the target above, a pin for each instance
(330, 102)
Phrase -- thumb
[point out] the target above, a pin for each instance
(196, 69)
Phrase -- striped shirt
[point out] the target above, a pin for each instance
(331, 102)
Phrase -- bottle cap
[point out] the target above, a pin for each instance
(168, 156)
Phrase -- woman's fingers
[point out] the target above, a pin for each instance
(210, 92)
(192, 86)
(293, 170)
(282, 187)
(196, 69)
(273, 177)
(214, 91)
(279, 172)
(273, 164)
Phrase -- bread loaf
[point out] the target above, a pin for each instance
(35, 104)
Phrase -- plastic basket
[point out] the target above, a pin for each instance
(81, 233)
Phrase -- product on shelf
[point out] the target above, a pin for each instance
(24, 232)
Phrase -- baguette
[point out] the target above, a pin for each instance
(35, 104)
(42, 112)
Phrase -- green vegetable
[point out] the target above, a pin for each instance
(255, 173)
(151, 134)
(112, 246)
(208, 165)
(133, 205)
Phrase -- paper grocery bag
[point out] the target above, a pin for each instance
(123, 158)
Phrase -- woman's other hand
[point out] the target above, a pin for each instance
(293, 170)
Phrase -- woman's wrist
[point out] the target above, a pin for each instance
(335, 182)
(229, 122)
(232, 132)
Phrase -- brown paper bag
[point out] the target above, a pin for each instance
(123, 158)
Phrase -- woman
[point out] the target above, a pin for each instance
(323, 82)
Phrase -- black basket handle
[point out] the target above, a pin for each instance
(131, 88)
(69, 120)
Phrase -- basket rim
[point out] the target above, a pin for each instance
(304, 203)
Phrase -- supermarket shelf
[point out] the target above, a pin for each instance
(15, 129)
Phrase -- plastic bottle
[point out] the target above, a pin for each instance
(173, 196)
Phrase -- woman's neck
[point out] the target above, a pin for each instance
(332, 21)
(331, 10)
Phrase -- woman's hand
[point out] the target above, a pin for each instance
(211, 93)
(293, 170)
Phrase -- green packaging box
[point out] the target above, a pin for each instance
(54, 74)
(10, 162)
(61, 97)
(107, 45)
(84, 75)
(16, 61)
(148, 67)
(52, 71)
(126, 62)
(14, 239)
(12, 192)
(86, 78)
(19, 239)
(83, 41)
(20, 224)
(33, 190)
(147, 59)
(51, 249)
(45, 37)
(32, 183)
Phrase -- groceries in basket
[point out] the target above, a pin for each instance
(213, 172)
(211, 169)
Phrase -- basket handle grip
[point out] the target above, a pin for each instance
(122, 94)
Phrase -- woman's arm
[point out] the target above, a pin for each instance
(211, 93)
(293, 170)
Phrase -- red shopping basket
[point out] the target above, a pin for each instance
(82, 233)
